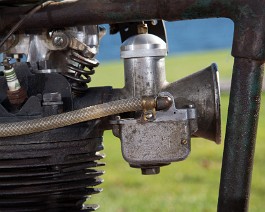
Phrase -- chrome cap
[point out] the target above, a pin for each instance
(143, 45)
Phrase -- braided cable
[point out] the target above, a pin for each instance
(69, 118)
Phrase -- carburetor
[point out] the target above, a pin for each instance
(161, 134)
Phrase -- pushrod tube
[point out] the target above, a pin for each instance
(240, 137)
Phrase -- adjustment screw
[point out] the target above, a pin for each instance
(149, 115)
(117, 118)
(184, 142)
(58, 41)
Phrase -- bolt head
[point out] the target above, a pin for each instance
(150, 171)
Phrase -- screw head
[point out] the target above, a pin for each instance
(58, 41)
(117, 117)
(149, 115)
(184, 142)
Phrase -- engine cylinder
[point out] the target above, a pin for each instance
(49, 176)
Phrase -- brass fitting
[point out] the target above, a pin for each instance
(151, 104)
(149, 108)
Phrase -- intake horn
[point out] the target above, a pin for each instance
(202, 90)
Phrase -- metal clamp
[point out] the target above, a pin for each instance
(149, 108)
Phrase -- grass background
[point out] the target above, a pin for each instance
(191, 185)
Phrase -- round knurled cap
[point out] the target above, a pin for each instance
(143, 45)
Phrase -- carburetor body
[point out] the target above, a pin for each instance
(156, 138)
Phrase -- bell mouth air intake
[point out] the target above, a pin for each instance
(201, 88)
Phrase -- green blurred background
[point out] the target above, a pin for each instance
(191, 185)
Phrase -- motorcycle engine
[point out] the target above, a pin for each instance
(45, 80)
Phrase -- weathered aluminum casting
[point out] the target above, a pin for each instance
(158, 140)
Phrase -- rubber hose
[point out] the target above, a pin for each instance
(69, 118)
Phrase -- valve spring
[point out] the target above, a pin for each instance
(60, 181)
(77, 73)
